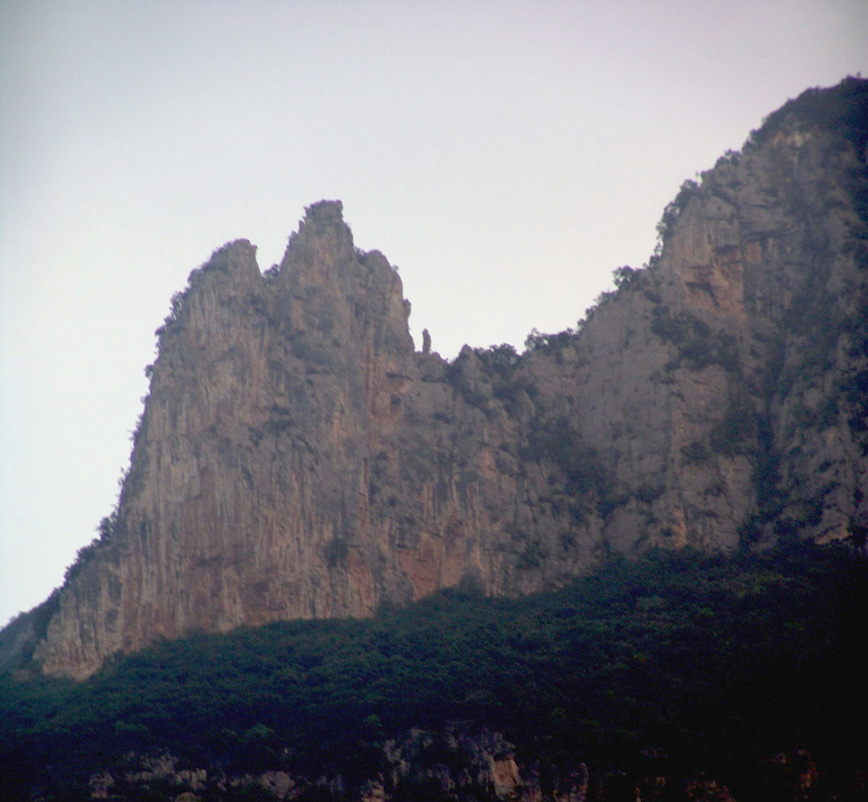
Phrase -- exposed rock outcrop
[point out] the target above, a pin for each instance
(725, 388)
(297, 458)
(454, 764)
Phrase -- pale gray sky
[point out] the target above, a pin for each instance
(507, 156)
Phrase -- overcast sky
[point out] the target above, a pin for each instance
(507, 156)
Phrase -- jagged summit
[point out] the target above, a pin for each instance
(297, 458)
(324, 212)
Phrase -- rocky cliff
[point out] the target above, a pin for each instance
(297, 458)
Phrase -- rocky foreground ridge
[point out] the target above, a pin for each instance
(297, 458)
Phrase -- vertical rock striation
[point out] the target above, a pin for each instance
(726, 387)
(297, 458)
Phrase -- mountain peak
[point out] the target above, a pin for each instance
(297, 459)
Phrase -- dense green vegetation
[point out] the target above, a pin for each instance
(717, 663)
(842, 108)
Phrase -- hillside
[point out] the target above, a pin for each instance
(687, 677)
(628, 563)
(297, 459)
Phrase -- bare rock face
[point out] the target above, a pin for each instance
(726, 387)
(297, 458)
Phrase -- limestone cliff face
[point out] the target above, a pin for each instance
(726, 386)
(296, 458)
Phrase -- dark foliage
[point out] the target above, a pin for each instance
(698, 346)
(82, 557)
(717, 663)
(548, 343)
(673, 209)
(19, 637)
(624, 276)
(843, 108)
(498, 358)
(557, 441)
